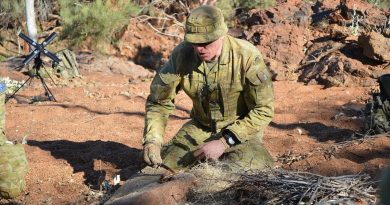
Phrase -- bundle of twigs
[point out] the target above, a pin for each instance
(287, 187)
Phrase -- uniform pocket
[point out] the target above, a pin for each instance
(192, 85)
(231, 94)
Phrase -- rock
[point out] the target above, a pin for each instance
(302, 17)
(277, 41)
(372, 15)
(85, 58)
(337, 70)
(274, 67)
(335, 17)
(144, 46)
(118, 66)
(258, 17)
(338, 32)
(152, 190)
(375, 46)
(237, 33)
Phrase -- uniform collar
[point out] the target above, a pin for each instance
(225, 54)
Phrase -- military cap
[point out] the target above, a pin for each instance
(205, 24)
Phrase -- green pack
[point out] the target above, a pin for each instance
(68, 67)
(13, 162)
(3, 89)
(377, 111)
(13, 169)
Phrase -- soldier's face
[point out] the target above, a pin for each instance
(209, 51)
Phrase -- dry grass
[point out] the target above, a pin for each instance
(216, 185)
(212, 178)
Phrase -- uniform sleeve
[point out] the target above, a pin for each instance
(259, 98)
(160, 103)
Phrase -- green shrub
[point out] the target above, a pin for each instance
(97, 21)
(256, 3)
(11, 11)
(380, 3)
(226, 6)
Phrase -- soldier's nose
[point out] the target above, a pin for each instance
(199, 49)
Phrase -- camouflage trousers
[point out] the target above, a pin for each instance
(178, 153)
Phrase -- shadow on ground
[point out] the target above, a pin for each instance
(318, 131)
(141, 114)
(81, 156)
(361, 156)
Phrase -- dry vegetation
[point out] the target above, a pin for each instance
(219, 186)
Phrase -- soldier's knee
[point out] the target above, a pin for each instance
(249, 155)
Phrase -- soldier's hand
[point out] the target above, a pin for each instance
(152, 154)
(211, 150)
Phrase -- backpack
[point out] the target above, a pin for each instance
(13, 162)
(377, 110)
(68, 67)
(13, 169)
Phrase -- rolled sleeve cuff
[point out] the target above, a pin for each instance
(241, 132)
(158, 140)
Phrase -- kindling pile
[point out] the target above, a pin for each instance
(289, 187)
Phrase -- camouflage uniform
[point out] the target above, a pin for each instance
(385, 187)
(2, 112)
(235, 95)
(13, 162)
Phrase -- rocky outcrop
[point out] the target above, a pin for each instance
(141, 44)
(375, 46)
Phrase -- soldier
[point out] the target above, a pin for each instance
(13, 162)
(385, 187)
(232, 95)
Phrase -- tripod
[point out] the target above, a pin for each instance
(36, 55)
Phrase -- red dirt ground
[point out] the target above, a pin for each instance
(94, 131)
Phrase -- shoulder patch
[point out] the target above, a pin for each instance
(259, 77)
(257, 60)
(264, 75)
(258, 72)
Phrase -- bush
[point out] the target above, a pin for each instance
(97, 21)
(226, 6)
(11, 11)
(256, 3)
(380, 3)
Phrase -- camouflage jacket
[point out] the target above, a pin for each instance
(236, 94)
